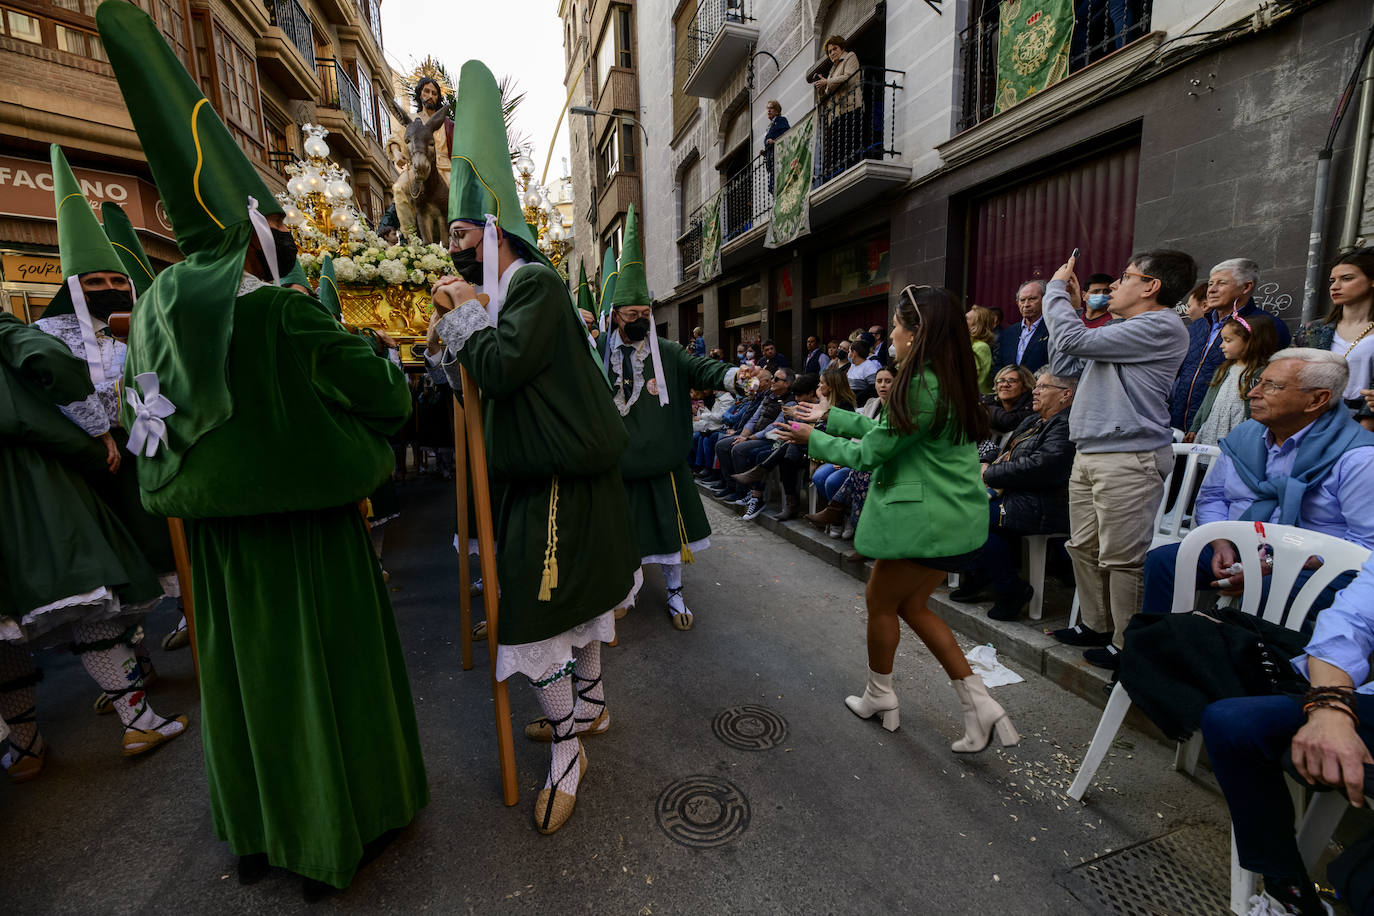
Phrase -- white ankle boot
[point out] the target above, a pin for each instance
(982, 716)
(878, 698)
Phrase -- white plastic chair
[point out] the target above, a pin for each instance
(1315, 828)
(1291, 547)
(1037, 546)
(1172, 523)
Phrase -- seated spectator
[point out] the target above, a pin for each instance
(735, 418)
(817, 357)
(841, 513)
(861, 368)
(1247, 344)
(1301, 460)
(787, 458)
(980, 329)
(772, 359)
(880, 348)
(1348, 329)
(1228, 294)
(737, 452)
(1097, 292)
(1007, 408)
(706, 428)
(834, 391)
(1029, 486)
(1248, 739)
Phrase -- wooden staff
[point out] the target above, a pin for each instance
(460, 477)
(486, 546)
(182, 556)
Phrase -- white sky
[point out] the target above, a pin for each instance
(522, 38)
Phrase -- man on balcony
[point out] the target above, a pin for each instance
(428, 99)
(777, 126)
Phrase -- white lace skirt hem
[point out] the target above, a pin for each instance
(535, 659)
(47, 624)
(674, 558)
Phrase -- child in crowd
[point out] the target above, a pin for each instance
(1247, 344)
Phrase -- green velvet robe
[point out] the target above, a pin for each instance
(311, 748)
(547, 416)
(57, 538)
(663, 497)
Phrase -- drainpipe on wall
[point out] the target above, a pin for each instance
(1315, 238)
(1359, 166)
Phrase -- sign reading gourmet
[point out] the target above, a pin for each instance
(26, 191)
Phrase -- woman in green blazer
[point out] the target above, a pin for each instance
(927, 510)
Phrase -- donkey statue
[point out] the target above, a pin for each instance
(427, 192)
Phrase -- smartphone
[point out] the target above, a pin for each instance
(1074, 256)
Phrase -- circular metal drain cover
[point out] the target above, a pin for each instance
(702, 812)
(750, 728)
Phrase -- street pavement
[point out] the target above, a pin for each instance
(807, 810)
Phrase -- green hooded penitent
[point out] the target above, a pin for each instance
(122, 236)
(181, 328)
(82, 242)
(329, 288)
(584, 290)
(631, 285)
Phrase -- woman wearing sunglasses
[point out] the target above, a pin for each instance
(927, 511)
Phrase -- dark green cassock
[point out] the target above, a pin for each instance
(553, 444)
(57, 538)
(311, 747)
(663, 498)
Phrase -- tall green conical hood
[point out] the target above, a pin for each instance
(585, 300)
(481, 180)
(329, 288)
(122, 236)
(203, 176)
(631, 285)
(608, 277)
(82, 242)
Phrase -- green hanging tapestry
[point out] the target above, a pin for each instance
(1032, 48)
(710, 239)
(792, 184)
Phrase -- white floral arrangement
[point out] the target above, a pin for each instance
(370, 261)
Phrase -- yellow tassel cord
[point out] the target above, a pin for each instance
(681, 525)
(549, 580)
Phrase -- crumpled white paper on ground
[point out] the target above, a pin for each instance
(983, 661)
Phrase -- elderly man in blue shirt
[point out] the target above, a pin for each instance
(1299, 460)
(1247, 738)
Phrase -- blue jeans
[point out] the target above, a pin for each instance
(1247, 738)
(1159, 581)
(828, 480)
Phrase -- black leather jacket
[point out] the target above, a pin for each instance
(1034, 477)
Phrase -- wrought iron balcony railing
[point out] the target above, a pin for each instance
(339, 89)
(1100, 27)
(711, 17)
(689, 245)
(291, 18)
(748, 198)
(857, 121)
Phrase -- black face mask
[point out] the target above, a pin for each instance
(104, 302)
(637, 330)
(466, 263)
(286, 251)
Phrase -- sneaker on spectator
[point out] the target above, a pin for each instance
(1288, 901)
(742, 501)
(1080, 635)
(1107, 656)
(752, 509)
(834, 531)
(848, 533)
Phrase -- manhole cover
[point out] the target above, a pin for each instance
(750, 728)
(1184, 872)
(702, 811)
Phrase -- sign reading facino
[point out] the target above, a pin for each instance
(26, 191)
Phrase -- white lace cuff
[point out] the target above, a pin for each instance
(455, 329)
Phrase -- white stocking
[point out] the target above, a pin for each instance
(591, 698)
(555, 693)
(672, 576)
(107, 653)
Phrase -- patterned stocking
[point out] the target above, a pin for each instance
(591, 698)
(18, 675)
(555, 692)
(106, 651)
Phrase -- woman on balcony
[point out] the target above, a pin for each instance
(840, 100)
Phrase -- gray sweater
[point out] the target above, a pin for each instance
(1126, 369)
